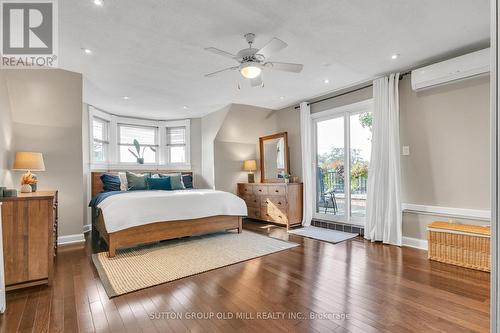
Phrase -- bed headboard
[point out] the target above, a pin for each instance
(96, 183)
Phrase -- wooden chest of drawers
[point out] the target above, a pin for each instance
(29, 224)
(273, 202)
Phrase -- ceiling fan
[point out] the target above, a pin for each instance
(252, 61)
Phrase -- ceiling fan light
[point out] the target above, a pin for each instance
(250, 70)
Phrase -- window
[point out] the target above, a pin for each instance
(162, 144)
(100, 140)
(145, 136)
(342, 148)
(176, 144)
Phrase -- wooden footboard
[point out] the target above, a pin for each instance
(158, 231)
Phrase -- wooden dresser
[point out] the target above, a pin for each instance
(273, 202)
(29, 224)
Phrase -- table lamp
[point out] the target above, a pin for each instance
(28, 161)
(250, 166)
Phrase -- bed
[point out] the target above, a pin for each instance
(138, 217)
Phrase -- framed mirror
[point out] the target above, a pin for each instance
(274, 158)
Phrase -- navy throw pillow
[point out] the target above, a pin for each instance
(188, 181)
(159, 183)
(110, 183)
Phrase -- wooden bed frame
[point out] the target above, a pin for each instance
(158, 231)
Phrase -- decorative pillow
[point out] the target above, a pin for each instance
(159, 183)
(123, 181)
(187, 180)
(110, 182)
(175, 180)
(137, 182)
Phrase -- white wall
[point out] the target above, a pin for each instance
(47, 117)
(5, 134)
(210, 125)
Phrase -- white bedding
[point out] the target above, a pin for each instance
(137, 208)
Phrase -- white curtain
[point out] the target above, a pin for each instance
(383, 211)
(307, 165)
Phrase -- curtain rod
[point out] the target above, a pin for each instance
(349, 91)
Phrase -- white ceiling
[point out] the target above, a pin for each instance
(152, 50)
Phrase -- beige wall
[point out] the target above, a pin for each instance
(47, 117)
(447, 129)
(210, 126)
(196, 152)
(5, 134)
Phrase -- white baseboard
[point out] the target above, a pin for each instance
(473, 214)
(87, 228)
(70, 239)
(415, 242)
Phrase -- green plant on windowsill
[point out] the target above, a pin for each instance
(139, 155)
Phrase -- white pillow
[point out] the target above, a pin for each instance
(123, 181)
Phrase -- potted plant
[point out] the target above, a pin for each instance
(138, 154)
(287, 177)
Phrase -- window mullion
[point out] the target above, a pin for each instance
(347, 173)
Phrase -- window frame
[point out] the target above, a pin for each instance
(343, 111)
(104, 141)
(119, 144)
(113, 152)
(187, 141)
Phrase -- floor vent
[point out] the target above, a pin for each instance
(339, 226)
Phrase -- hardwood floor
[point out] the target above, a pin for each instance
(381, 289)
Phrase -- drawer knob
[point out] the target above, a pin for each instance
(276, 191)
(279, 202)
(260, 190)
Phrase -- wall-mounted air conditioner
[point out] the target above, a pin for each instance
(452, 70)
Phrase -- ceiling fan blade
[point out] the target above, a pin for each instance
(257, 81)
(221, 52)
(222, 70)
(273, 46)
(283, 66)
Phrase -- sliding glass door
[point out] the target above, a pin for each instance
(342, 148)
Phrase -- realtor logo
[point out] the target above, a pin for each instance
(29, 33)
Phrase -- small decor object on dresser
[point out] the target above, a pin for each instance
(9, 193)
(2, 189)
(29, 161)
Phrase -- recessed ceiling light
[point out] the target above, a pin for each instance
(282, 97)
(98, 2)
(87, 51)
(126, 98)
(395, 56)
(185, 107)
(326, 81)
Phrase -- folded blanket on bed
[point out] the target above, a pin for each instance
(135, 208)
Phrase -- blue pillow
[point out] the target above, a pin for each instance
(188, 181)
(159, 183)
(110, 183)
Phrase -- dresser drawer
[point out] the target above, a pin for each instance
(260, 189)
(278, 202)
(273, 215)
(245, 189)
(253, 213)
(277, 190)
(252, 201)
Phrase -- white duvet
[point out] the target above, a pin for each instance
(137, 208)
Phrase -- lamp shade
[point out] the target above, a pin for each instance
(28, 161)
(250, 165)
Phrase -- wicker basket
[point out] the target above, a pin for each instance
(460, 244)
